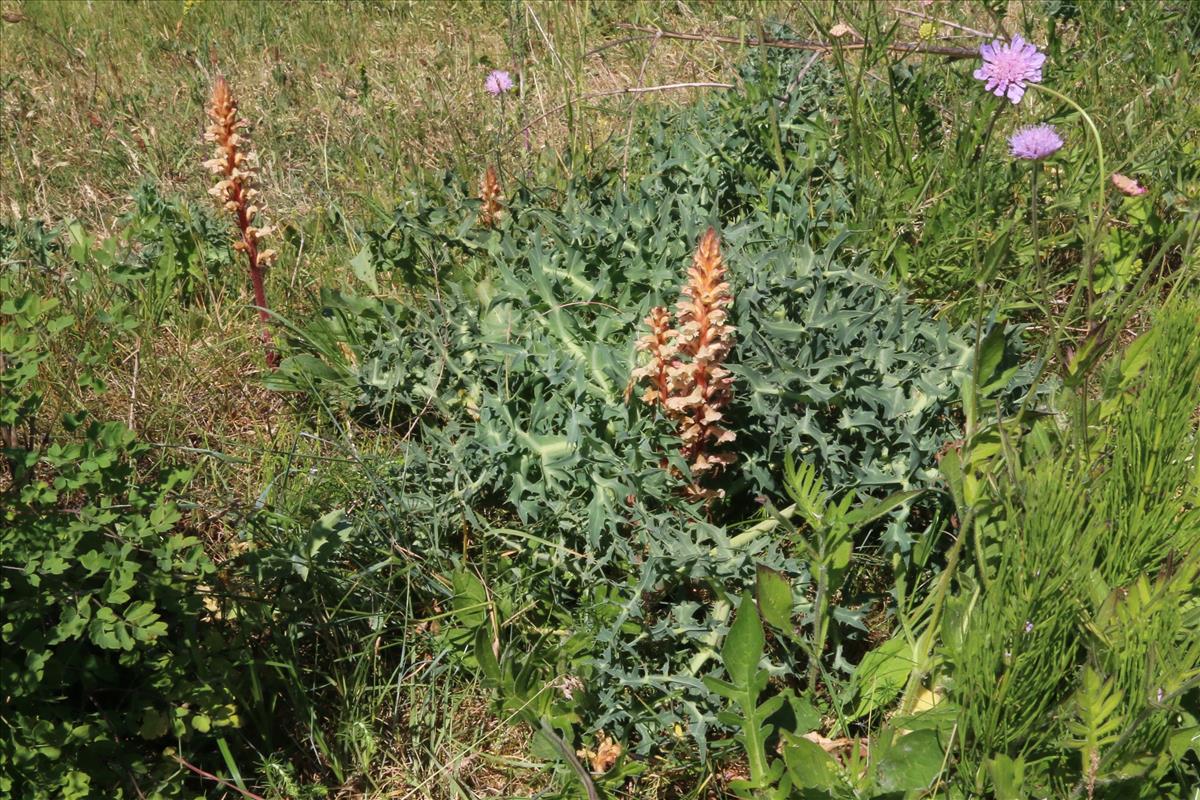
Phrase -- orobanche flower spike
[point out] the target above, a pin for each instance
(491, 207)
(685, 372)
(233, 163)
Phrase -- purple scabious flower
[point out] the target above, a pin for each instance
(1035, 142)
(497, 82)
(1008, 67)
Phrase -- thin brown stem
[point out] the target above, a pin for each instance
(221, 781)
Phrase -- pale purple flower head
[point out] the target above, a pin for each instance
(1035, 142)
(1008, 67)
(497, 82)
(1028, 626)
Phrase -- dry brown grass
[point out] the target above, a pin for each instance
(349, 99)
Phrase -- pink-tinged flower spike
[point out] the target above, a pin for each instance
(1035, 142)
(1128, 185)
(497, 82)
(1007, 68)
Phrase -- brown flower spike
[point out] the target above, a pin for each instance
(489, 194)
(685, 370)
(660, 344)
(233, 163)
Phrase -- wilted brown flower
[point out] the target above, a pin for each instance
(233, 163)
(605, 755)
(489, 195)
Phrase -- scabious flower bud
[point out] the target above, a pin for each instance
(1128, 185)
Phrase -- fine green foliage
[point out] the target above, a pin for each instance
(440, 554)
(510, 377)
(1122, 490)
(110, 653)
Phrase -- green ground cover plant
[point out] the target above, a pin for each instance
(914, 510)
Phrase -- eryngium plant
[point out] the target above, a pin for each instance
(233, 162)
(685, 369)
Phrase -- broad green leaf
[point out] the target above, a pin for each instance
(879, 677)
(486, 656)
(744, 644)
(1008, 777)
(723, 688)
(154, 724)
(996, 366)
(470, 600)
(364, 268)
(808, 765)
(807, 717)
(774, 593)
(839, 561)
(910, 763)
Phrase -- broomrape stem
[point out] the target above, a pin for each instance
(233, 163)
(686, 368)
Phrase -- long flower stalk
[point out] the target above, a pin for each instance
(234, 163)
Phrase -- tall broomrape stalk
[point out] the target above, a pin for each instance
(233, 162)
(685, 370)
(490, 194)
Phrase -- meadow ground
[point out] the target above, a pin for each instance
(368, 588)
